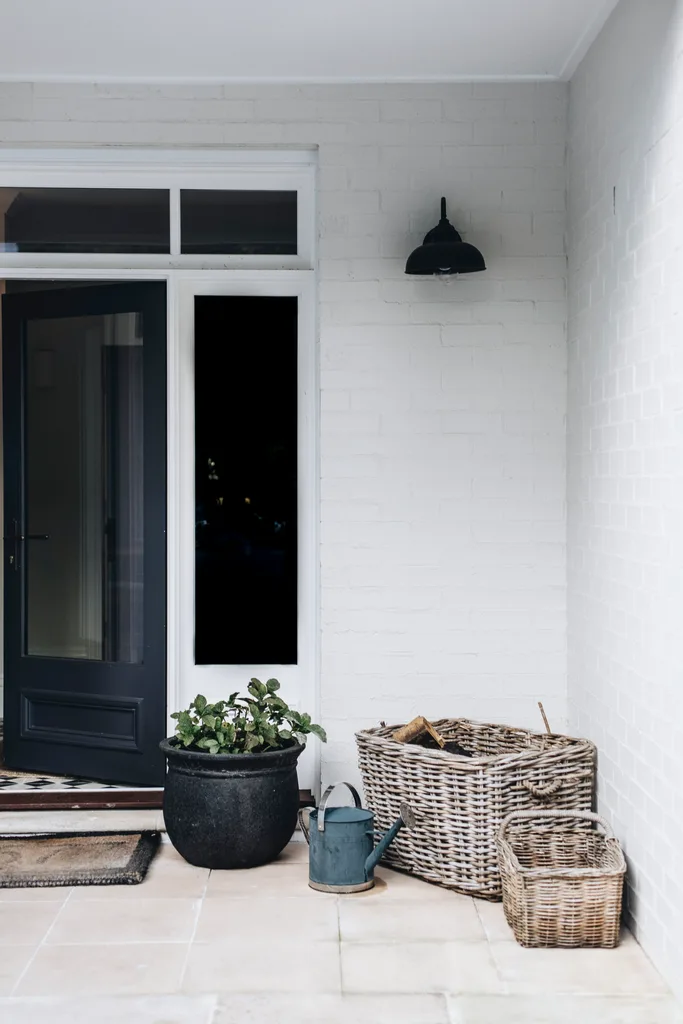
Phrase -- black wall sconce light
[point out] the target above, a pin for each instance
(444, 252)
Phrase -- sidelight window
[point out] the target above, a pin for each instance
(246, 479)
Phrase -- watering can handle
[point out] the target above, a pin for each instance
(326, 796)
(303, 825)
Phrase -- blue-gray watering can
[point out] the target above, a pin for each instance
(342, 855)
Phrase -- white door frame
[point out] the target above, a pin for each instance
(186, 276)
(185, 679)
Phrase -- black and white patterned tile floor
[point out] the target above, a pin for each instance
(25, 782)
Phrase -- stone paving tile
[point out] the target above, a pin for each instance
(189, 946)
(169, 1009)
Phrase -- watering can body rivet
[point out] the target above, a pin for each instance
(342, 851)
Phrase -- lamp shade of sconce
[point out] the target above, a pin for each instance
(444, 252)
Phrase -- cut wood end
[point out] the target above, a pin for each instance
(413, 729)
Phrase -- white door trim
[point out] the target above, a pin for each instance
(185, 679)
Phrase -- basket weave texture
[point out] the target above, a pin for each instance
(562, 880)
(459, 802)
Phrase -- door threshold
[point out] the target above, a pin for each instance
(70, 800)
(98, 800)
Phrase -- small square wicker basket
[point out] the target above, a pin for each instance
(562, 878)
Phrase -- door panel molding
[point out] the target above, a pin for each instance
(102, 711)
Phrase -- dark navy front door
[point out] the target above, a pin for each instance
(84, 383)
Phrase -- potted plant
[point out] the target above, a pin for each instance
(232, 794)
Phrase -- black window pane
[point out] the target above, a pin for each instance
(246, 480)
(213, 221)
(107, 220)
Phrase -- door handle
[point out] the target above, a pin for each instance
(17, 538)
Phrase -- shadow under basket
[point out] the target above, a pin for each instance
(460, 801)
(563, 879)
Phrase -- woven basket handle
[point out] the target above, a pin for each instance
(542, 792)
(581, 815)
(550, 788)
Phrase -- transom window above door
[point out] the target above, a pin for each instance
(218, 211)
(70, 220)
(136, 220)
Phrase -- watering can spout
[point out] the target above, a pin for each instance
(406, 818)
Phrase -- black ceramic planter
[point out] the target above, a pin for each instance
(230, 810)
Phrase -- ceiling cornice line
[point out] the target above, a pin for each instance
(191, 80)
(586, 40)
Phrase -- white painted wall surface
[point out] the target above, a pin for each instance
(300, 41)
(626, 449)
(443, 403)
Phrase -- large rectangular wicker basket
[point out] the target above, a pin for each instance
(562, 879)
(460, 802)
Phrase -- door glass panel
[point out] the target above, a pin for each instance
(246, 480)
(214, 221)
(84, 487)
(106, 220)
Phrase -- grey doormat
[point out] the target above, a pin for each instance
(76, 858)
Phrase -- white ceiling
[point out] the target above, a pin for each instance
(295, 40)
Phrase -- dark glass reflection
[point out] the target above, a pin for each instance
(107, 220)
(84, 487)
(246, 480)
(214, 221)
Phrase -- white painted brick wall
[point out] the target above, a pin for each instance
(443, 404)
(625, 490)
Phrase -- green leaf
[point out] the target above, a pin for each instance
(318, 731)
(257, 688)
(200, 703)
(277, 704)
(272, 685)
